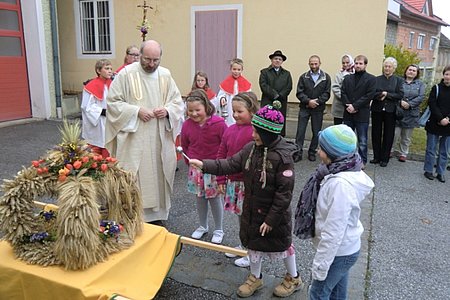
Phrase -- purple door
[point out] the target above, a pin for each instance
(215, 43)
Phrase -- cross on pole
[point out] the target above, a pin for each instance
(144, 26)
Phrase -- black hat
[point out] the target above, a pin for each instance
(278, 53)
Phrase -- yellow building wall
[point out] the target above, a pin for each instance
(299, 28)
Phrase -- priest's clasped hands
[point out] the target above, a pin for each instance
(146, 114)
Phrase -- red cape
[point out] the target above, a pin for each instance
(120, 68)
(210, 93)
(96, 87)
(228, 84)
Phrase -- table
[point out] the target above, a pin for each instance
(135, 273)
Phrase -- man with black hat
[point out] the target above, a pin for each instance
(276, 83)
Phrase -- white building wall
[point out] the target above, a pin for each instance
(37, 51)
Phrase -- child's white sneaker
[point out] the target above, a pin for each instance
(231, 255)
(242, 262)
(199, 232)
(217, 237)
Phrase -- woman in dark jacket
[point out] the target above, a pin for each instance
(389, 92)
(268, 169)
(438, 128)
(408, 110)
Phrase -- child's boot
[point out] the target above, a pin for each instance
(288, 286)
(250, 286)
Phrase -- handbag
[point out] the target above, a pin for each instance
(399, 113)
(425, 116)
(427, 113)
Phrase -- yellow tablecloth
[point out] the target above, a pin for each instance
(135, 273)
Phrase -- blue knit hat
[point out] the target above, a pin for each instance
(337, 141)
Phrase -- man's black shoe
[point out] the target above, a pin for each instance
(448, 168)
(312, 157)
(374, 161)
(428, 175)
(440, 177)
(383, 164)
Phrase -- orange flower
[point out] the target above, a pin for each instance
(99, 157)
(113, 159)
(40, 171)
(94, 165)
(62, 178)
(35, 163)
(85, 159)
(104, 167)
(77, 165)
(69, 166)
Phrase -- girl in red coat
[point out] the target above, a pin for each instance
(234, 139)
(201, 135)
(201, 82)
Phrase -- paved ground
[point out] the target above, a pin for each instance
(405, 245)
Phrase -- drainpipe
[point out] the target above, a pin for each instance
(56, 66)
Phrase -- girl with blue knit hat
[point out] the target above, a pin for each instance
(268, 169)
(328, 211)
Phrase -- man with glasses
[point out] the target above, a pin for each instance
(144, 113)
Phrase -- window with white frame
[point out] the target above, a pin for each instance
(420, 41)
(433, 42)
(411, 39)
(95, 26)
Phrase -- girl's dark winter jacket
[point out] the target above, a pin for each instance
(270, 204)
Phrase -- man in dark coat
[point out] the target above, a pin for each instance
(358, 90)
(313, 91)
(276, 83)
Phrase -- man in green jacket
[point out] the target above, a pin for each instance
(276, 83)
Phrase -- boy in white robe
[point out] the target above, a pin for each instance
(93, 107)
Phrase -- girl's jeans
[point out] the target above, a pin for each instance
(334, 287)
(434, 141)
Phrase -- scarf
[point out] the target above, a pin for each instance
(96, 87)
(306, 207)
(228, 84)
(351, 66)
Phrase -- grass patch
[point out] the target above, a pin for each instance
(418, 141)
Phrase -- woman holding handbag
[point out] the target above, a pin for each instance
(408, 108)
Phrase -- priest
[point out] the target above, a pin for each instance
(143, 118)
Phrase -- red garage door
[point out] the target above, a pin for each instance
(14, 92)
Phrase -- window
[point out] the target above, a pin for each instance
(420, 41)
(411, 39)
(433, 41)
(94, 26)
